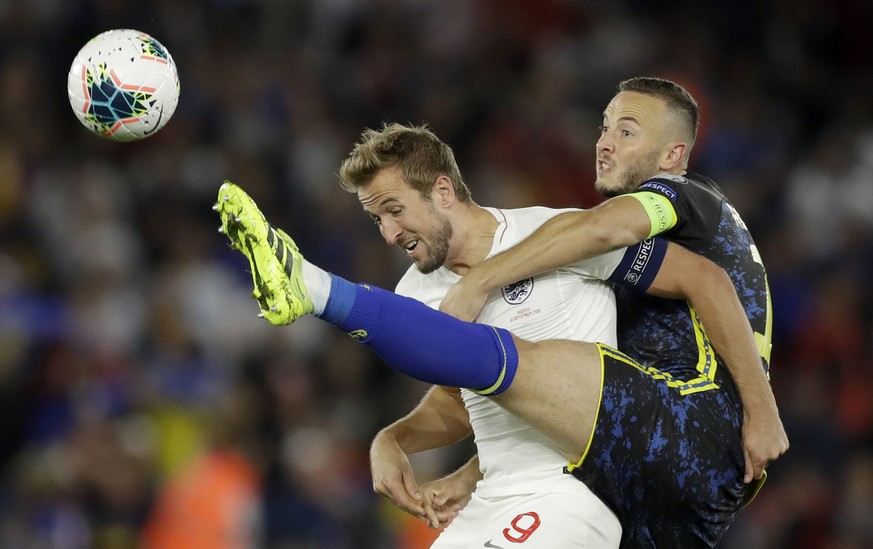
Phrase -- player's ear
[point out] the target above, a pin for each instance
(674, 156)
(443, 190)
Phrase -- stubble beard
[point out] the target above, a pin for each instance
(437, 248)
(631, 178)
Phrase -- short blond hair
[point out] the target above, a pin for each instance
(417, 153)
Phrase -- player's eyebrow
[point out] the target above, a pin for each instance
(390, 201)
(625, 118)
(379, 205)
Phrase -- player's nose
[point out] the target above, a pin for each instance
(604, 143)
(390, 231)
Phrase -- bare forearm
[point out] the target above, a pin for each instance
(686, 275)
(564, 240)
(438, 420)
(728, 328)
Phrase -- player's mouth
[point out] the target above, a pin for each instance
(410, 246)
(602, 166)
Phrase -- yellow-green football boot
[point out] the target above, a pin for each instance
(274, 258)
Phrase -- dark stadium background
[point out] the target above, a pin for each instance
(140, 397)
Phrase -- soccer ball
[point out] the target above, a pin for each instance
(123, 85)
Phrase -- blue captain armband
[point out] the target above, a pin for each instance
(640, 264)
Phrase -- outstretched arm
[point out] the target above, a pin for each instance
(561, 241)
(713, 296)
(438, 420)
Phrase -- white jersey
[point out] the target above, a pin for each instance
(570, 303)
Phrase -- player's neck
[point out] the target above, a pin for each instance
(473, 238)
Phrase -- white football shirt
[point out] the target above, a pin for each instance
(570, 303)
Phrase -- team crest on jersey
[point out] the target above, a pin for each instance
(517, 292)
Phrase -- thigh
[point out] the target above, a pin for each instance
(556, 391)
(667, 459)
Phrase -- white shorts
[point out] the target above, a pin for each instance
(565, 519)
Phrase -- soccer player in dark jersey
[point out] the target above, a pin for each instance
(649, 128)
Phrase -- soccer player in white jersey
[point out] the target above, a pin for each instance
(514, 459)
(407, 180)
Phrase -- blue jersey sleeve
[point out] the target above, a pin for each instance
(640, 264)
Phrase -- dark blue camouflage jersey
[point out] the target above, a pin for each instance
(672, 469)
(664, 333)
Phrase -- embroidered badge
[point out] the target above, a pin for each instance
(517, 292)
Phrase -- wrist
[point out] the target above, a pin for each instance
(762, 404)
(469, 473)
(386, 436)
(478, 278)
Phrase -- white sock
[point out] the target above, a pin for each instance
(317, 282)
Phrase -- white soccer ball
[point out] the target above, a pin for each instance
(123, 85)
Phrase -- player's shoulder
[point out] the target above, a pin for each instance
(673, 186)
(518, 223)
(529, 214)
(410, 283)
(429, 288)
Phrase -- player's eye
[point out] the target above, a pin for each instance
(602, 128)
(375, 219)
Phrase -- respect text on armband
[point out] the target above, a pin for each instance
(644, 253)
(659, 187)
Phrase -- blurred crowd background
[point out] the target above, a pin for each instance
(143, 404)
